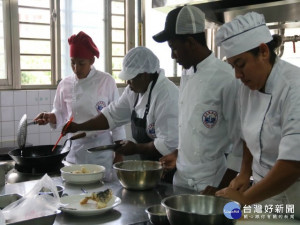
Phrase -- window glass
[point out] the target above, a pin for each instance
(36, 77)
(86, 16)
(35, 39)
(118, 49)
(117, 21)
(117, 63)
(118, 36)
(117, 7)
(34, 3)
(155, 22)
(40, 47)
(2, 46)
(34, 31)
(35, 62)
(34, 15)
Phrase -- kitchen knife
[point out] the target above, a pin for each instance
(104, 147)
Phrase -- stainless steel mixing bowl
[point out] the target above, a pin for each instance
(138, 174)
(191, 209)
(157, 215)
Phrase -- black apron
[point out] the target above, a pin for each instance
(138, 128)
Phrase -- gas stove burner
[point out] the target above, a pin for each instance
(39, 170)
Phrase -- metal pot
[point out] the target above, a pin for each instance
(190, 209)
(138, 174)
(42, 155)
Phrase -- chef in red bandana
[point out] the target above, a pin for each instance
(83, 95)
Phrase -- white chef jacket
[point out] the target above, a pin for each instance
(207, 125)
(162, 119)
(271, 123)
(84, 99)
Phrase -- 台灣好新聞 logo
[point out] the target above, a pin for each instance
(232, 210)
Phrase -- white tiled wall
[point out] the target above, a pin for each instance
(14, 104)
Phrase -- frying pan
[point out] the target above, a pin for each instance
(42, 155)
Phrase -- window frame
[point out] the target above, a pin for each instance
(12, 44)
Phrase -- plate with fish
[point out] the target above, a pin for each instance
(89, 204)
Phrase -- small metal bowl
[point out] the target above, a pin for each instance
(157, 215)
(138, 174)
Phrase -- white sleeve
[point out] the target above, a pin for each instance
(231, 115)
(118, 113)
(118, 132)
(166, 123)
(59, 108)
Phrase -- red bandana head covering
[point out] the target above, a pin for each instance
(82, 46)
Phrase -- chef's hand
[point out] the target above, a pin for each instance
(240, 183)
(209, 190)
(45, 118)
(72, 128)
(126, 148)
(168, 162)
(232, 194)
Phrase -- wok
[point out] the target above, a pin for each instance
(42, 155)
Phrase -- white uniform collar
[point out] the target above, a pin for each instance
(204, 64)
(271, 79)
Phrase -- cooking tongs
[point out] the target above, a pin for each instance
(104, 147)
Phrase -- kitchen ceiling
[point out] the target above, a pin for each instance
(278, 14)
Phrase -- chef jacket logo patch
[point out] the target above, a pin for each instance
(210, 118)
(100, 105)
(151, 130)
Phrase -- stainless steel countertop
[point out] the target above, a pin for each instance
(132, 208)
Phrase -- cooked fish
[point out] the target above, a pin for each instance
(101, 197)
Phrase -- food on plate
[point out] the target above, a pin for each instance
(101, 197)
(82, 170)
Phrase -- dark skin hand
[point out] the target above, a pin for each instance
(129, 148)
(169, 161)
(45, 118)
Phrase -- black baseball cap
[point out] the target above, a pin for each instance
(183, 20)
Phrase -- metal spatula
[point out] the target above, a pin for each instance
(22, 131)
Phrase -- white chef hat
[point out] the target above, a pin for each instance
(139, 60)
(243, 33)
(183, 20)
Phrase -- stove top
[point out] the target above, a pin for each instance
(14, 176)
(38, 170)
(21, 174)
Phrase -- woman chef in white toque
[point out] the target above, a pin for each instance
(269, 109)
(83, 96)
(149, 102)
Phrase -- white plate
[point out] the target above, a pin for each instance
(74, 207)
